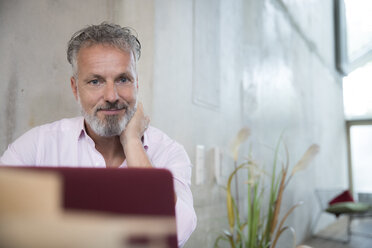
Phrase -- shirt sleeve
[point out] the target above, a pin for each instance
(180, 166)
(22, 151)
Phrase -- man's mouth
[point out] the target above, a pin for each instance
(112, 109)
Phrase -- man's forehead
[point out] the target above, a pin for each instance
(103, 54)
(106, 61)
(88, 47)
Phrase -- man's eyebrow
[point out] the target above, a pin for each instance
(94, 76)
(126, 75)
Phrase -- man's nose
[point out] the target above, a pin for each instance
(110, 92)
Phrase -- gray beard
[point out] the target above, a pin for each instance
(111, 125)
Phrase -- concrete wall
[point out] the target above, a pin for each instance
(268, 63)
(34, 72)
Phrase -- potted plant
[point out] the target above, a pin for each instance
(260, 229)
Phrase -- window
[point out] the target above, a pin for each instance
(357, 89)
(354, 60)
(361, 154)
(353, 34)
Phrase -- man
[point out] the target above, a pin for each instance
(113, 131)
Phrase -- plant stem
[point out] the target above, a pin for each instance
(236, 187)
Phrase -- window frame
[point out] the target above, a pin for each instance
(349, 124)
(343, 63)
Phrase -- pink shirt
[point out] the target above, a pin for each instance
(66, 143)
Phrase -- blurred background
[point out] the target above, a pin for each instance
(301, 69)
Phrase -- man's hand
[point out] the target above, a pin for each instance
(131, 141)
(136, 126)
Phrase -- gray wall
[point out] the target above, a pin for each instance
(208, 68)
(34, 72)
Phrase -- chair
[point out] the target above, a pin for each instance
(350, 209)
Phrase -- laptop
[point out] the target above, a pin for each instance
(122, 191)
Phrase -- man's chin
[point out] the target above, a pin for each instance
(108, 131)
(108, 127)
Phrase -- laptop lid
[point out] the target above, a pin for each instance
(131, 191)
(125, 191)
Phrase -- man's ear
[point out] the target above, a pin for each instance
(137, 81)
(74, 87)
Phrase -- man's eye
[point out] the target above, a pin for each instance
(94, 82)
(123, 80)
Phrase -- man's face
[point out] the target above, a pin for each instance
(106, 88)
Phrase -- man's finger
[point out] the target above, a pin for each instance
(147, 121)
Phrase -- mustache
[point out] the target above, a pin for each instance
(112, 106)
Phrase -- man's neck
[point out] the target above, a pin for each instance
(110, 148)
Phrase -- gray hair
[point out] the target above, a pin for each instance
(104, 33)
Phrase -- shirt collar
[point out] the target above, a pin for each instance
(80, 128)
